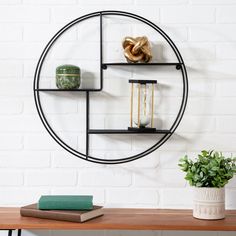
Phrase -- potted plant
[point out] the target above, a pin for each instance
(209, 173)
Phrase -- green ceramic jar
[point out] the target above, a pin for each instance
(68, 77)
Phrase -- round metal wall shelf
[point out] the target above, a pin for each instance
(103, 66)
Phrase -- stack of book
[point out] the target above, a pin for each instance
(74, 208)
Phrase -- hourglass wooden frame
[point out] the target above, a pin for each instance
(140, 127)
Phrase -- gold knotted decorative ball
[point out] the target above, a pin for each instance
(137, 49)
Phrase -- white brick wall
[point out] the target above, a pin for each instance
(31, 162)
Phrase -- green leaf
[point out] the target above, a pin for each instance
(209, 169)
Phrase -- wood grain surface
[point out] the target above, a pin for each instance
(123, 219)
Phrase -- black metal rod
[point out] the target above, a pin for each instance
(87, 124)
(19, 232)
(66, 90)
(101, 52)
(10, 232)
(143, 64)
(125, 131)
(141, 81)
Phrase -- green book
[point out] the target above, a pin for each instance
(65, 202)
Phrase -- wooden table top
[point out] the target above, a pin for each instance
(122, 219)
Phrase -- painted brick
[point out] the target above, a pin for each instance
(209, 106)
(148, 11)
(59, 16)
(117, 32)
(105, 177)
(42, 32)
(232, 181)
(11, 69)
(111, 30)
(15, 88)
(10, 33)
(201, 87)
(9, 2)
(29, 67)
(117, 121)
(169, 106)
(53, 104)
(187, 15)
(213, 33)
(177, 33)
(11, 142)
(81, 142)
(159, 178)
(189, 125)
(24, 159)
(64, 123)
(70, 50)
(164, 2)
(169, 199)
(149, 161)
(74, 122)
(193, 51)
(212, 2)
(200, 106)
(10, 107)
(117, 86)
(20, 123)
(222, 142)
(91, 2)
(11, 178)
(227, 89)
(18, 196)
(170, 160)
(90, 30)
(229, 198)
(226, 14)
(63, 159)
(160, 72)
(20, 50)
(116, 142)
(118, 52)
(24, 14)
(132, 196)
(50, 2)
(226, 51)
(105, 104)
(175, 143)
(51, 178)
(46, 142)
(226, 124)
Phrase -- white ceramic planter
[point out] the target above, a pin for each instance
(209, 203)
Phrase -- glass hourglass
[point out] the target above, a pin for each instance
(142, 105)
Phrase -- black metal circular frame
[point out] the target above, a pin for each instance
(179, 66)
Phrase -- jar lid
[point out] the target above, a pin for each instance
(68, 69)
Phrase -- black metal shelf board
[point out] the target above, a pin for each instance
(68, 90)
(143, 64)
(124, 131)
(177, 64)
